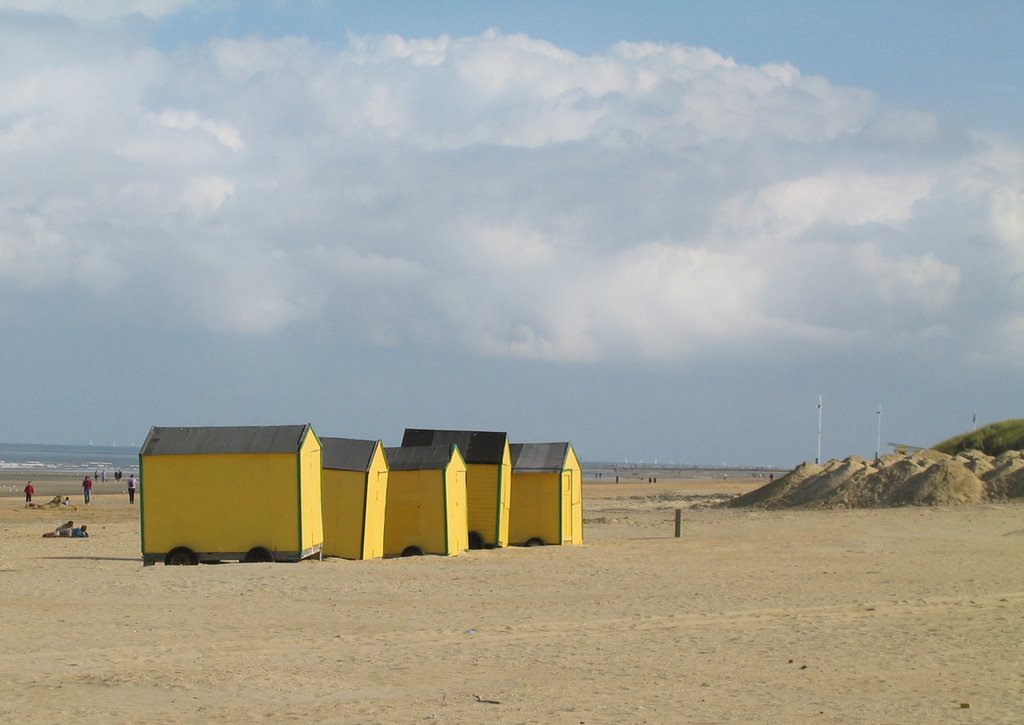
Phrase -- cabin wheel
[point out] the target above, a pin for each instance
(181, 556)
(258, 554)
(476, 541)
(535, 541)
(412, 551)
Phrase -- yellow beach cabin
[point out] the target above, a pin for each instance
(547, 495)
(250, 493)
(488, 479)
(355, 485)
(426, 501)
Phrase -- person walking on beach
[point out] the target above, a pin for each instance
(133, 483)
(29, 490)
(87, 488)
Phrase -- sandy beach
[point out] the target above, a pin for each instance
(887, 615)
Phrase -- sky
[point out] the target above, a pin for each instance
(658, 230)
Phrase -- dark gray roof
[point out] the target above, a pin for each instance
(418, 458)
(546, 457)
(347, 454)
(476, 446)
(224, 439)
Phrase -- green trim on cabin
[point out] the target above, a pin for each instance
(561, 499)
(501, 512)
(561, 505)
(142, 509)
(298, 485)
(444, 496)
(320, 493)
(366, 496)
(298, 482)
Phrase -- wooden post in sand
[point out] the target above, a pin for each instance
(679, 523)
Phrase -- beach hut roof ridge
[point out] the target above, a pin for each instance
(348, 454)
(476, 446)
(163, 441)
(546, 457)
(418, 458)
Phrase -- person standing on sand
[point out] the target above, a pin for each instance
(133, 483)
(29, 490)
(87, 488)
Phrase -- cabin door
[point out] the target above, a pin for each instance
(566, 507)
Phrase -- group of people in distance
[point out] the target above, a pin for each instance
(68, 529)
(133, 485)
(87, 483)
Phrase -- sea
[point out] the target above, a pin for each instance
(95, 459)
(593, 470)
(68, 459)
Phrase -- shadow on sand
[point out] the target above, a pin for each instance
(92, 558)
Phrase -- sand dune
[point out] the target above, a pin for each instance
(924, 478)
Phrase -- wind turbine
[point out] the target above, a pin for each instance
(817, 459)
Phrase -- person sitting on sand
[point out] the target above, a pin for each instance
(62, 531)
(55, 501)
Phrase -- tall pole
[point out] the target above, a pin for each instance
(817, 459)
(878, 438)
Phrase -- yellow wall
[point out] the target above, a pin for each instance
(415, 512)
(427, 509)
(353, 510)
(373, 535)
(343, 495)
(310, 472)
(455, 489)
(548, 506)
(572, 465)
(536, 508)
(224, 503)
(488, 514)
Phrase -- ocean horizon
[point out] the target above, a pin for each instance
(60, 458)
(63, 458)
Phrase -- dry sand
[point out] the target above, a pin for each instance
(876, 616)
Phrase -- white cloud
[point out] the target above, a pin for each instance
(790, 208)
(925, 282)
(905, 127)
(35, 254)
(225, 133)
(1007, 218)
(99, 10)
(653, 202)
(205, 195)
